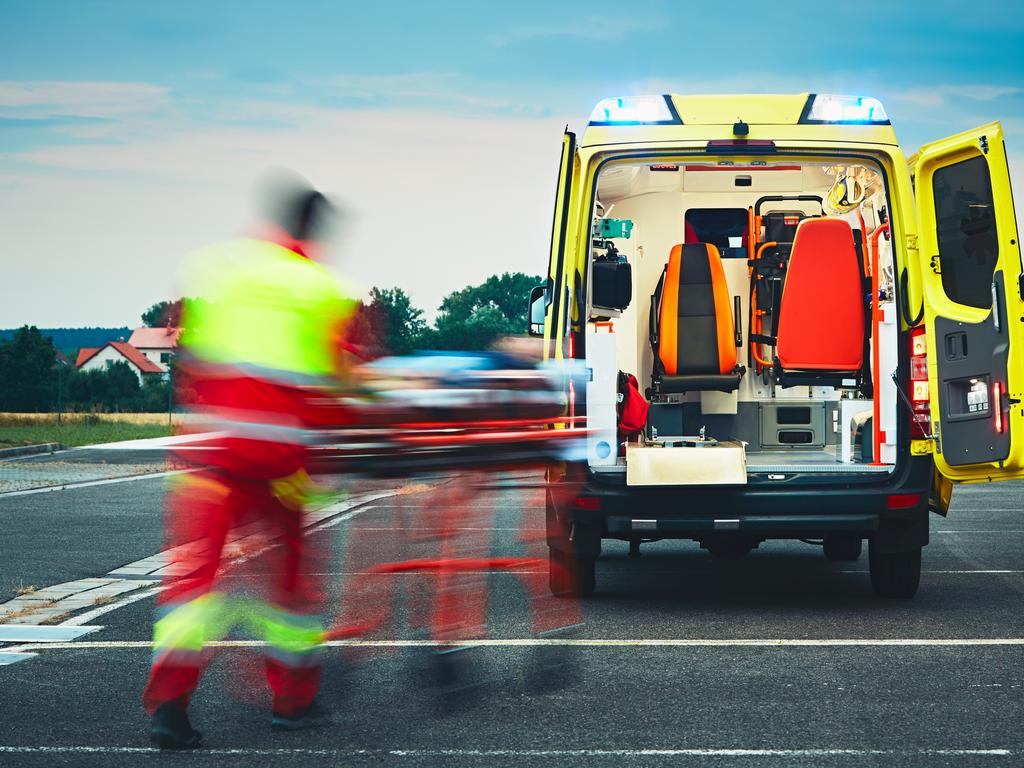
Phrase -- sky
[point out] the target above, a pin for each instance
(132, 132)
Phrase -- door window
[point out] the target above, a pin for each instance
(966, 230)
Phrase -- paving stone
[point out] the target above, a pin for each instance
(26, 475)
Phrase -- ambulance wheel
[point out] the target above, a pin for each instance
(571, 574)
(895, 574)
(842, 548)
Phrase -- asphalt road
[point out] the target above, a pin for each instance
(653, 694)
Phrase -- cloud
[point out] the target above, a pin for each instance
(434, 202)
(944, 95)
(44, 99)
(590, 28)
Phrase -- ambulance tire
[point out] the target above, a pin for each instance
(571, 574)
(842, 548)
(895, 574)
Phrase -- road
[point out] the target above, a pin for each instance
(780, 659)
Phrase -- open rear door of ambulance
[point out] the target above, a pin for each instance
(974, 313)
(557, 294)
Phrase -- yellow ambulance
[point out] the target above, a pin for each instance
(790, 329)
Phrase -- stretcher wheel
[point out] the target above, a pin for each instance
(842, 548)
(895, 574)
(571, 574)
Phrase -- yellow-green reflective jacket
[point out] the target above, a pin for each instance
(255, 304)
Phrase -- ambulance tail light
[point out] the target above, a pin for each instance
(920, 396)
(902, 500)
(588, 503)
(635, 110)
(851, 110)
(997, 408)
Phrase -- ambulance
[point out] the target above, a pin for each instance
(790, 329)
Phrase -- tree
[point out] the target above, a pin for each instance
(122, 386)
(403, 323)
(153, 396)
(509, 293)
(478, 331)
(476, 316)
(28, 380)
(163, 313)
(86, 390)
(116, 388)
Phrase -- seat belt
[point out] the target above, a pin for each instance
(655, 315)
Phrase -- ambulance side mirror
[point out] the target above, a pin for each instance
(537, 310)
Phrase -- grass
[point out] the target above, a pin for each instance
(80, 428)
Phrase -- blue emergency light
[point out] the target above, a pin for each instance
(635, 110)
(853, 110)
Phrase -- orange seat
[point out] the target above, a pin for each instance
(692, 330)
(822, 328)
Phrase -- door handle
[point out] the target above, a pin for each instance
(995, 306)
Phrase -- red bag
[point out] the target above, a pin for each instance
(632, 407)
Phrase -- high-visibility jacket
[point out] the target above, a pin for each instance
(264, 308)
(262, 329)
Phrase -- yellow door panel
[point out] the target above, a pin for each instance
(555, 317)
(969, 261)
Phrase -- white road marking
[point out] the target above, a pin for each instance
(529, 642)
(957, 572)
(88, 616)
(519, 572)
(91, 483)
(688, 752)
(33, 633)
(963, 530)
(148, 443)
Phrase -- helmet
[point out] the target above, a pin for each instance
(846, 194)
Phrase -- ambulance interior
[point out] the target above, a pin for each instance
(758, 311)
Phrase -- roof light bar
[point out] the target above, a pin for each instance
(851, 110)
(635, 110)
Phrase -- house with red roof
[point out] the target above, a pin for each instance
(157, 344)
(102, 358)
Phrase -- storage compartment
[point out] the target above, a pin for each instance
(613, 284)
(713, 371)
(722, 463)
(793, 425)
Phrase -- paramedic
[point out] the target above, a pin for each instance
(259, 352)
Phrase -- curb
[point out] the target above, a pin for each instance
(31, 450)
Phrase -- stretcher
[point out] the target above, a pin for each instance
(459, 417)
(437, 412)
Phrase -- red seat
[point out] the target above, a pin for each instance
(822, 312)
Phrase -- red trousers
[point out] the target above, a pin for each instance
(211, 512)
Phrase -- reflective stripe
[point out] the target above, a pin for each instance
(183, 629)
(227, 369)
(291, 633)
(273, 433)
(190, 625)
(303, 660)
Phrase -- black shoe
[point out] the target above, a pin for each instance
(314, 716)
(172, 730)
